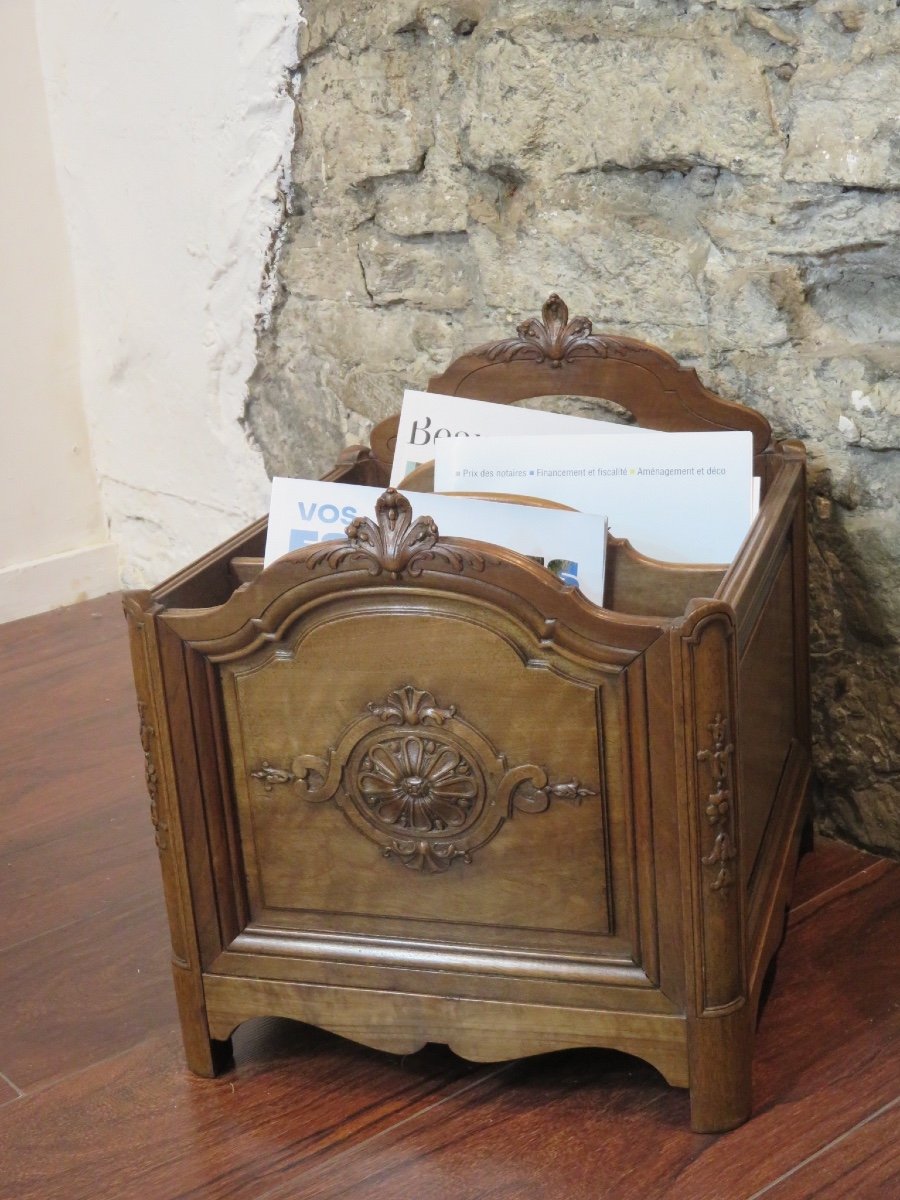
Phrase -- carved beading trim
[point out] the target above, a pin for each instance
(414, 777)
(393, 543)
(151, 775)
(718, 807)
(555, 339)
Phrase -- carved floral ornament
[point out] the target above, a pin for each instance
(555, 339)
(393, 543)
(420, 782)
(718, 806)
(151, 776)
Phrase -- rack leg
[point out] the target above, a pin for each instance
(720, 1052)
(205, 1055)
(208, 1056)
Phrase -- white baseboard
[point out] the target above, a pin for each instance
(36, 587)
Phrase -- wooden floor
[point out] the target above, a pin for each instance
(95, 1100)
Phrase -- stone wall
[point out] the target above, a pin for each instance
(720, 178)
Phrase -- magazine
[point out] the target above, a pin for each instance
(428, 419)
(682, 497)
(572, 545)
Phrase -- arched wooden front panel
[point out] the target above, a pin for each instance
(406, 764)
(438, 750)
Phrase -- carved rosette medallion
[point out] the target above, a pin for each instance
(718, 807)
(420, 782)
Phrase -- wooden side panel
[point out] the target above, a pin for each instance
(767, 712)
(157, 770)
(767, 590)
(637, 584)
(662, 725)
(155, 707)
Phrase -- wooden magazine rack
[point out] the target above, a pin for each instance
(411, 788)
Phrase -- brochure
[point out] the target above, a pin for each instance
(682, 497)
(427, 419)
(571, 544)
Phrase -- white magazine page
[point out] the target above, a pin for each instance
(304, 512)
(682, 497)
(427, 419)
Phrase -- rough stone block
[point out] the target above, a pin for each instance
(319, 263)
(429, 203)
(874, 413)
(546, 105)
(744, 306)
(770, 217)
(364, 117)
(858, 295)
(844, 129)
(616, 261)
(435, 272)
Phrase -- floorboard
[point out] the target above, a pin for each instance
(67, 734)
(84, 991)
(95, 1099)
(139, 1125)
(94, 861)
(8, 1091)
(863, 1162)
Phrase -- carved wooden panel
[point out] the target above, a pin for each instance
(719, 808)
(441, 752)
(553, 339)
(415, 779)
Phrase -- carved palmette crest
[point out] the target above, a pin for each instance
(419, 781)
(718, 807)
(393, 543)
(554, 338)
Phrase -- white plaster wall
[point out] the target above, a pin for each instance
(173, 124)
(54, 545)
